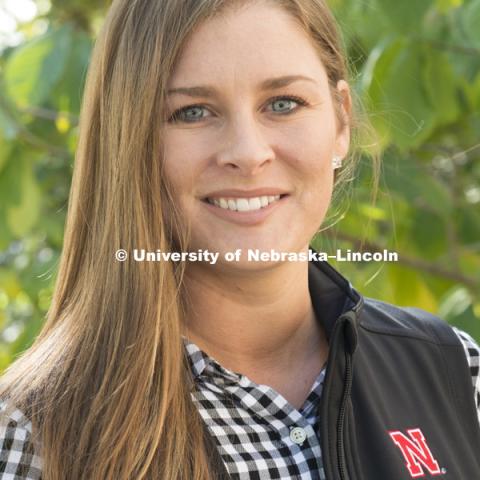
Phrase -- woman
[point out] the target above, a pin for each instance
(216, 126)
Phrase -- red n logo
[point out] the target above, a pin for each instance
(416, 452)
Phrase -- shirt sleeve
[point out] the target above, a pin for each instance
(18, 459)
(472, 351)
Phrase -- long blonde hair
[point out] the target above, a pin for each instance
(106, 383)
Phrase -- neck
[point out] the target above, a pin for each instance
(257, 322)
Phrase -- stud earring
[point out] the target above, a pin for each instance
(336, 162)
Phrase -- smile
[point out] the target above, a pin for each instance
(244, 204)
(244, 211)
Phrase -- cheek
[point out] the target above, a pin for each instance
(310, 151)
(311, 139)
(181, 162)
(318, 194)
(317, 197)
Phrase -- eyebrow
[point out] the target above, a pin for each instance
(268, 84)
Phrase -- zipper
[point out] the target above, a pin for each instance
(341, 419)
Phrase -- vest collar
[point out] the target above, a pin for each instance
(333, 296)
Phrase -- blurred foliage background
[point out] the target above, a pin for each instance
(416, 69)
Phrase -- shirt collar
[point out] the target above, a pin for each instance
(203, 364)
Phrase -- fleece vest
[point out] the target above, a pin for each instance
(398, 400)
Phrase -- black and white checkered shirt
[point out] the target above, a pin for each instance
(258, 433)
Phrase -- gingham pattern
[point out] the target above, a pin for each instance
(251, 424)
(472, 351)
(18, 459)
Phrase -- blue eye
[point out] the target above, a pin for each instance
(182, 114)
(194, 113)
(284, 102)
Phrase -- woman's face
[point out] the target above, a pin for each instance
(251, 118)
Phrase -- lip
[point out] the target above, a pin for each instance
(237, 193)
(246, 218)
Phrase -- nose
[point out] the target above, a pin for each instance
(246, 149)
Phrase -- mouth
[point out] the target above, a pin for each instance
(244, 204)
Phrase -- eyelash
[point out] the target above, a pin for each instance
(175, 116)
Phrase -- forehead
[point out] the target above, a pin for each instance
(247, 44)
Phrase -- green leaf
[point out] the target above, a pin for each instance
(428, 234)
(8, 127)
(455, 303)
(404, 16)
(446, 5)
(475, 93)
(9, 122)
(68, 93)
(356, 20)
(5, 150)
(34, 69)
(410, 112)
(458, 309)
(22, 216)
(410, 181)
(371, 86)
(5, 234)
(378, 62)
(10, 178)
(468, 224)
(440, 86)
(396, 93)
(410, 289)
(471, 21)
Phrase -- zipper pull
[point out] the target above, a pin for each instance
(350, 333)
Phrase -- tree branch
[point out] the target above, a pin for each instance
(407, 260)
(49, 114)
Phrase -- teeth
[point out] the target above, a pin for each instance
(244, 204)
(254, 203)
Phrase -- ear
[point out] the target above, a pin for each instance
(343, 96)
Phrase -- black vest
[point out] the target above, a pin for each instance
(398, 400)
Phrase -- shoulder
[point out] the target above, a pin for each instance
(18, 459)
(382, 317)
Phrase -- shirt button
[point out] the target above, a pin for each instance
(298, 435)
